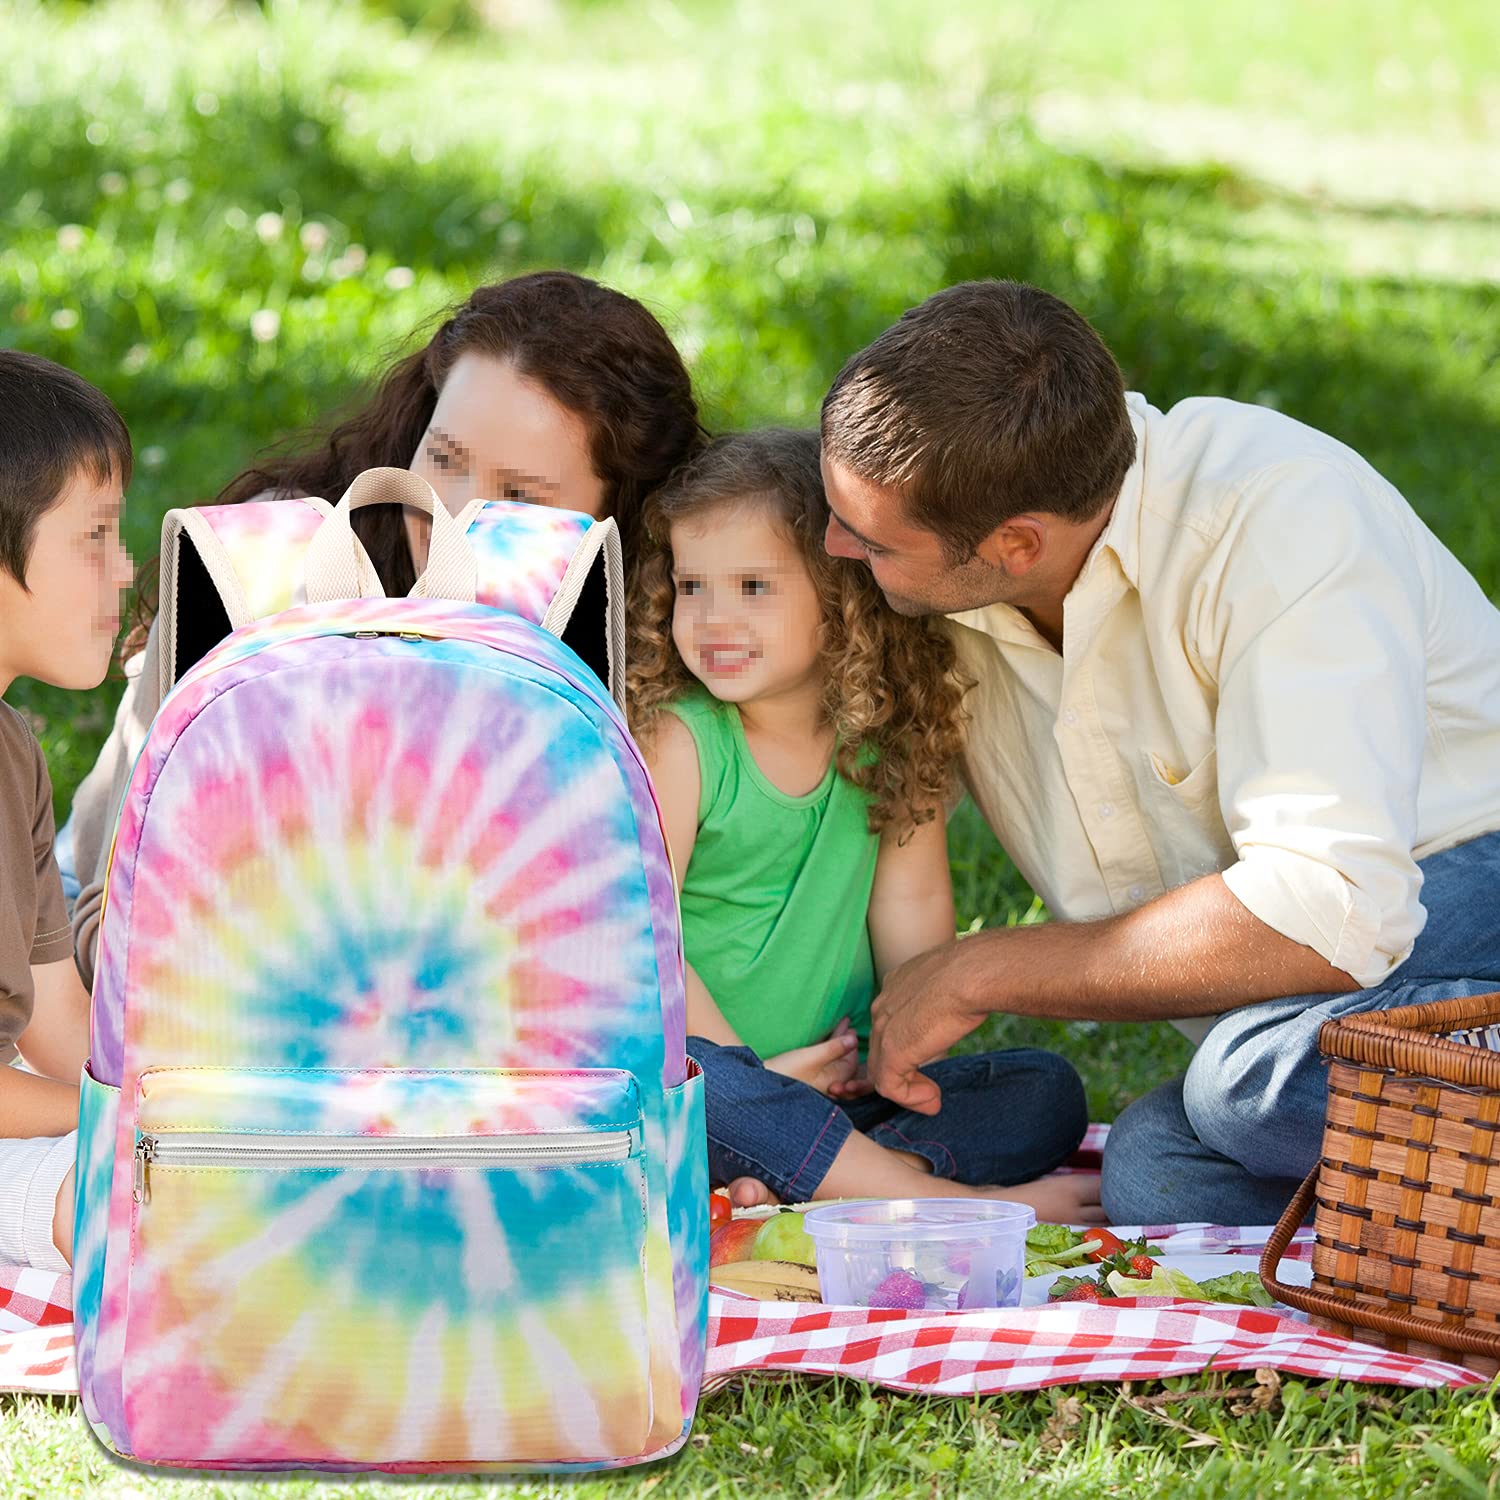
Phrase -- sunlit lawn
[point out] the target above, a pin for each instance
(778, 183)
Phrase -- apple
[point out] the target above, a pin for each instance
(732, 1241)
(784, 1237)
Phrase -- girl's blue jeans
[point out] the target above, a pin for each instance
(1232, 1138)
(1006, 1117)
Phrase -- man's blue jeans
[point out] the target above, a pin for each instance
(1230, 1140)
(1006, 1117)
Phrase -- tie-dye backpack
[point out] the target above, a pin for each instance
(390, 1155)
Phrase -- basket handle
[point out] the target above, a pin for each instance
(1320, 1304)
(1281, 1238)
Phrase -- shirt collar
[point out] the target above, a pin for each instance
(1122, 536)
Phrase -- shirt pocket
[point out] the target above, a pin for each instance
(1186, 789)
(1181, 809)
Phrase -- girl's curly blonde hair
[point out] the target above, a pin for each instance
(892, 692)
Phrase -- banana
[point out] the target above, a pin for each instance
(770, 1280)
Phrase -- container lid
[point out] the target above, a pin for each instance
(917, 1218)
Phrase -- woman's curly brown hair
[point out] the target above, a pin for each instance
(892, 693)
(597, 353)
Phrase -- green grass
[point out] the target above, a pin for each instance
(779, 182)
(1202, 1435)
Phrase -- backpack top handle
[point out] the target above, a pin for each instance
(338, 567)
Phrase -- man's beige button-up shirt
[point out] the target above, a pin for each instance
(1270, 668)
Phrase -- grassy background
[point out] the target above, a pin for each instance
(1281, 203)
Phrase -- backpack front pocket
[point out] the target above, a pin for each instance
(387, 1267)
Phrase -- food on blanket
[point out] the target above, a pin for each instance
(1077, 1289)
(1052, 1240)
(1242, 1287)
(784, 1237)
(1109, 1244)
(979, 1292)
(941, 1254)
(1131, 1258)
(1051, 1247)
(720, 1210)
(732, 1241)
(770, 1280)
(899, 1289)
(1164, 1282)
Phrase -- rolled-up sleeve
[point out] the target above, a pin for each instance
(1312, 614)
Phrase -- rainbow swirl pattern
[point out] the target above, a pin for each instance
(260, 537)
(372, 885)
(522, 550)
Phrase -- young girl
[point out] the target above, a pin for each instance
(801, 735)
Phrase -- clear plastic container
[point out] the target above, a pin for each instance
(944, 1254)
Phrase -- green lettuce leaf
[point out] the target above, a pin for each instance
(1242, 1287)
(1043, 1267)
(1044, 1239)
(1050, 1247)
(1165, 1283)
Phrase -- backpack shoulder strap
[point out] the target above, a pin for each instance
(223, 566)
(561, 570)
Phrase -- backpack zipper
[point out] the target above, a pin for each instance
(273, 1153)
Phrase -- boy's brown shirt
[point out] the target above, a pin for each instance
(34, 926)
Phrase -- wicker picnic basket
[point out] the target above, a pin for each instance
(1406, 1198)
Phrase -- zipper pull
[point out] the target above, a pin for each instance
(145, 1149)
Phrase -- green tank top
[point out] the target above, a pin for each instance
(777, 892)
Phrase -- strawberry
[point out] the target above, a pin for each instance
(899, 1289)
(1134, 1258)
(1079, 1289)
(1083, 1291)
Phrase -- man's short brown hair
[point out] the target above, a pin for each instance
(990, 399)
(53, 424)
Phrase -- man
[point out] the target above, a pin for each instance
(1237, 720)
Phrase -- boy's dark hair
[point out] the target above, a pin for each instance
(53, 424)
(990, 399)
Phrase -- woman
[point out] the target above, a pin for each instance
(547, 387)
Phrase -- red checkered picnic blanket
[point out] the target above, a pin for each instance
(1018, 1349)
(1024, 1349)
(1013, 1349)
(36, 1332)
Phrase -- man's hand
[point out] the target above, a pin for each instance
(830, 1066)
(1195, 951)
(915, 1019)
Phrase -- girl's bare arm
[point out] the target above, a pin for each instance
(672, 759)
(911, 903)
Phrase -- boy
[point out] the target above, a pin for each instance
(65, 460)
